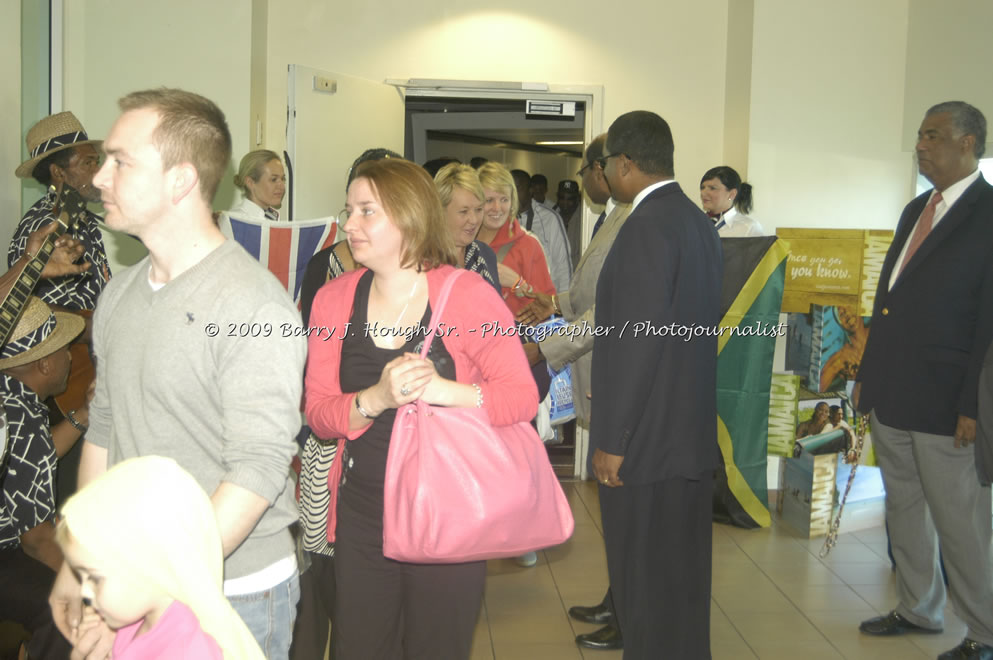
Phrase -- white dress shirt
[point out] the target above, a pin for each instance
(738, 225)
(949, 196)
(645, 192)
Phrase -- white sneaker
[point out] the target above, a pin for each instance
(527, 560)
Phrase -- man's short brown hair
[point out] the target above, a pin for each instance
(408, 196)
(191, 130)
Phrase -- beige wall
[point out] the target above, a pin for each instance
(10, 124)
(738, 85)
(113, 47)
(826, 123)
(679, 74)
(823, 130)
(949, 61)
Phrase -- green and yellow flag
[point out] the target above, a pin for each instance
(751, 297)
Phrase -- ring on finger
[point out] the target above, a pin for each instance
(405, 390)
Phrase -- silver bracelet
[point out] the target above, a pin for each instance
(479, 395)
(71, 418)
(362, 411)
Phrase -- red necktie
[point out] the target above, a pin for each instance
(924, 224)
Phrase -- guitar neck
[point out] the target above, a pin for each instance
(17, 298)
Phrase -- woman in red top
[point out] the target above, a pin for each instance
(523, 266)
(362, 364)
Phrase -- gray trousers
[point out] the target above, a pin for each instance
(933, 495)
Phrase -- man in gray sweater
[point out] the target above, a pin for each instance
(191, 361)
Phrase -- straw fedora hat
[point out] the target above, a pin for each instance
(40, 332)
(51, 134)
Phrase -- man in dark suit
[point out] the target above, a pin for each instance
(931, 324)
(653, 438)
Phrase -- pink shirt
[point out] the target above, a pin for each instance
(176, 636)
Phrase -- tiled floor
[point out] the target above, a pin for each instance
(772, 597)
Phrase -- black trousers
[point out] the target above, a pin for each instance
(315, 613)
(658, 539)
(608, 602)
(24, 587)
(390, 610)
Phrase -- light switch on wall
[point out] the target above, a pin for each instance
(326, 85)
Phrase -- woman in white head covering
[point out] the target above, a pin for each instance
(144, 542)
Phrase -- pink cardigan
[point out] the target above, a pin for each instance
(495, 361)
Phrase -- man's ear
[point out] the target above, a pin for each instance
(624, 165)
(44, 365)
(969, 143)
(57, 174)
(184, 181)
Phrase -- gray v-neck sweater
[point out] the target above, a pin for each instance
(226, 404)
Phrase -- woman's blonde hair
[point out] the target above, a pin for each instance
(251, 167)
(457, 175)
(494, 176)
(410, 199)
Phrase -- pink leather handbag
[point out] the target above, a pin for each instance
(459, 489)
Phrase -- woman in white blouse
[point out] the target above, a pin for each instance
(727, 200)
(262, 180)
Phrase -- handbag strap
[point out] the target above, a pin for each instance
(446, 289)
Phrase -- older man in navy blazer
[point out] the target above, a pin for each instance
(653, 437)
(931, 326)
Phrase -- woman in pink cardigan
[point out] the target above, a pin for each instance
(367, 329)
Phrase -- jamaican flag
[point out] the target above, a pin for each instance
(751, 296)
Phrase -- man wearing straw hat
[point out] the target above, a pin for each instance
(62, 153)
(34, 365)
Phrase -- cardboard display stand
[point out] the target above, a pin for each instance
(833, 267)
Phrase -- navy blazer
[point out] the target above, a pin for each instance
(929, 333)
(655, 394)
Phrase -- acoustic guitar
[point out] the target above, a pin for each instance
(70, 212)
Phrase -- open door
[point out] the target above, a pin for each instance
(332, 119)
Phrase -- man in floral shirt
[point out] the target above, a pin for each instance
(61, 153)
(34, 364)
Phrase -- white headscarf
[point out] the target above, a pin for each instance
(150, 516)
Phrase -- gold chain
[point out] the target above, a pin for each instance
(832, 536)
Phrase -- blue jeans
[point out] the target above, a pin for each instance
(269, 615)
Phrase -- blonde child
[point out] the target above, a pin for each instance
(143, 541)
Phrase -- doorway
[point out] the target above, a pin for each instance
(498, 130)
(501, 130)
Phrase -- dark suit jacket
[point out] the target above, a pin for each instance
(929, 334)
(655, 397)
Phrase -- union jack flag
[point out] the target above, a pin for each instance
(282, 247)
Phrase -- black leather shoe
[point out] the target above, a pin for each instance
(969, 649)
(596, 614)
(607, 638)
(894, 624)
